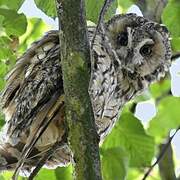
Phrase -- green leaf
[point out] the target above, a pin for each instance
(35, 30)
(3, 69)
(14, 24)
(171, 16)
(93, 8)
(130, 135)
(1, 20)
(1, 177)
(2, 83)
(15, 4)
(4, 41)
(64, 173)
(46, 174)
(7, 57)
(8, 175)
(134, 174)
(166, 119)
(124, 5)
(48, 7)
(115, 164)
(175, 44)
(159, 88)
(5, 53)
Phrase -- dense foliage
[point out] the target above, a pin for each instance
(131, 147)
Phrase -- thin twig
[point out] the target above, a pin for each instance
(175, 56)
(166, 164)
(104, 8)
(161, 154)
(44, 158)
(100, 27)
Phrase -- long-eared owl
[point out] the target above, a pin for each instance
(33, 99)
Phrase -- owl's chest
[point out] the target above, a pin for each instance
(104, 92)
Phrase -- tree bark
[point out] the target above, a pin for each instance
(75, 60)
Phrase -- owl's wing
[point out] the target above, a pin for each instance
(33, 105)
(48, 114)
(35, 78)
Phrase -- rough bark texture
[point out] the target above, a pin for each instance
(75, 59)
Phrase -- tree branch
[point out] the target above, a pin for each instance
(75, 60)
(166, 164)
(175, 56)
(102, 13)
(44, 158)
(152, 9)
(160, 156)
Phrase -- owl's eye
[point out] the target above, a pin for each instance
(146, 50)
(122, 39)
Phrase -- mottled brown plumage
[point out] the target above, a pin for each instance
(132, 53)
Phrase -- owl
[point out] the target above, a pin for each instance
(132, 53)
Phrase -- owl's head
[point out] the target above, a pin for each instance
(142, 46)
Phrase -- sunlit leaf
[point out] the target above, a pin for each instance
(2, 83)
(1, 177)
(46, 174)
(1, 20)
(134, 174)
(159, 88)
(125, 4)
(167, 118)
(93, 9)
(35, 30)
(7, 175)
(14, 24)
(129, 134)
(5, 53)
(3, 69)
(115, 163)
(175, 44)
(171, 16)
(47, 7)
(15, 4)
(64, 173)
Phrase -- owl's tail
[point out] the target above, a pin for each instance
(48, 157)
(44, 143)
(10, 155)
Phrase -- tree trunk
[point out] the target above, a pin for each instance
(75, 60)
